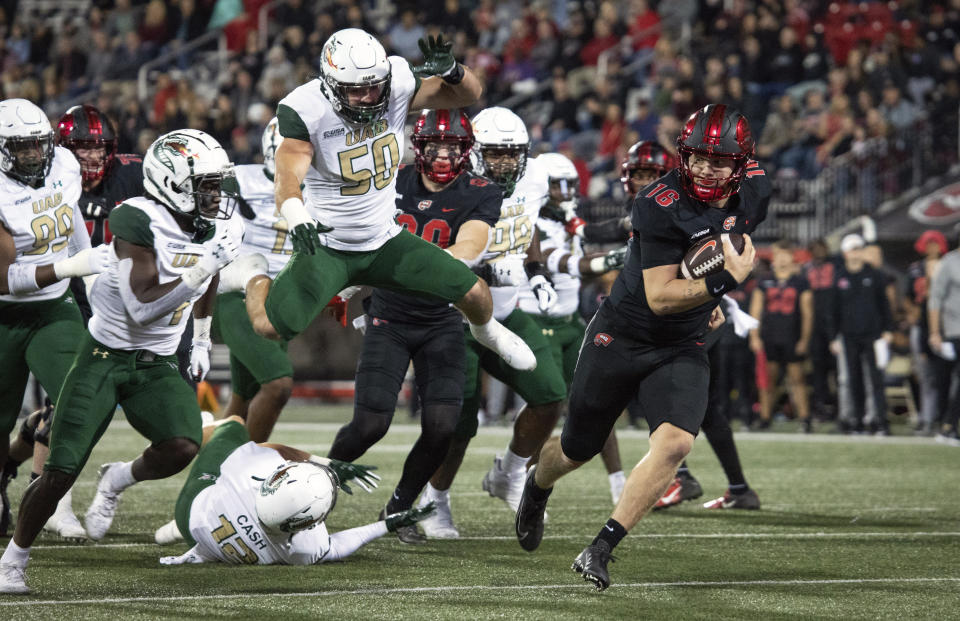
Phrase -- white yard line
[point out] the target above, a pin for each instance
(481, 587)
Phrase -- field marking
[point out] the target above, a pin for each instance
(483, 587)
(814, 535)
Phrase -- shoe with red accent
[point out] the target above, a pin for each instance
(684, 487)
(747, 500)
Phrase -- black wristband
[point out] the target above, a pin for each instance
(536, 268)
(455, 76)
(718, 284)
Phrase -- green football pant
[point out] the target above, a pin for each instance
(565, 335)
(254, 360)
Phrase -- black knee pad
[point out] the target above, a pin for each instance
(439, 421)
(375, 399)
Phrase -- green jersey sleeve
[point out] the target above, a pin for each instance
(131, 225)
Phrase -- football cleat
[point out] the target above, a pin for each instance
(529, 522)
(592, 564)
(746, 500)
(64, 522)
(100, 514)
(407, 534)
(168, 533)
(506, 344)
(6, 517)
(507, 486)
(684, 487)
(439, 525)
(13, 579)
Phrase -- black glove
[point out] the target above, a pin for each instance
(410, 516)
(306, 237)
(359, 474)
(92, 208)
(438, 60)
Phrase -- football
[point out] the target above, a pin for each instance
(706, 256)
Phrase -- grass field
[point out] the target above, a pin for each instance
(851, 528)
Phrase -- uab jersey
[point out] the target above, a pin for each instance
(666, 223)
(41, 220)
(124, 180)
(437, 218)
(144, 222)
(265, 231)
(224, 523)
(553, 235)
(513, 232)
(352, 184)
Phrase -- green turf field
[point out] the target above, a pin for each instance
(851, 528)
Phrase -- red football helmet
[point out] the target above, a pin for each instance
(85, 127)
(451, 127)
(645, 155)
(715, 130)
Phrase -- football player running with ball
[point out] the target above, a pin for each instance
(349, 124)
(42, 245)
(167, 249)
(647, 337)
(265, 504)
(445, 204)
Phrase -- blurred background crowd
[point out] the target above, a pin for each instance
(854, 104)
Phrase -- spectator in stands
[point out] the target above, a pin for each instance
(644, 122)
(121, 20)
(563, 113)
(154, 30)
(943, 313)
(289, 13)
(546, 49)
(277, 78)
(777, 131)
(453, 18)
(402, 38)
(603, 39)
(900, 113)
(189, 19)
(786, 63)
(98, 62)
(861, 317)
(801, 157)
(644, 29)
(835, 131)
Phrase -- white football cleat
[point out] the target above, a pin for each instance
(168, 533)
(439, 525)
(64, 522)
(507, 486)
(507, 345)
(13, 579)
(99, 516)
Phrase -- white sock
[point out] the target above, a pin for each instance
(513, 463)
(120, 477)
(485, 329)
(616, 478)
(433, 493)
(15, 555)
(66, 503)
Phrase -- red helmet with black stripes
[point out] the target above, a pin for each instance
(715, 131)
(434, 130)
(85, 127)
(645, 155)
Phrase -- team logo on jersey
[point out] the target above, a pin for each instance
(699, 234)
(333, 133)
(103, 354)
(729, 222)
(184, 259)
(366, 132)
(424, 205)
(602, 339)
(48, 202)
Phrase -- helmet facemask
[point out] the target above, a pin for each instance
(360, 103)
(215, 197)
(711, 189)
(27, 158)
(441, 159)
(504, 164)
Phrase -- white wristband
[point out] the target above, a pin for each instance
(553, 261)
(201, 328)
(573, 266)
(598, 265)
(77, 265)
(22, 278)
(323, 461)
(295, 213)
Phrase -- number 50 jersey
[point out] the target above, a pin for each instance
(352, 187)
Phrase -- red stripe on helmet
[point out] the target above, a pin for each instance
(713, 128)
(443, 120)
(93, 121)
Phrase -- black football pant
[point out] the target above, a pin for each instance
(823, 362)
(858, 351)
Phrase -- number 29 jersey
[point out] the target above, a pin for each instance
(352, 186)
(437, 218)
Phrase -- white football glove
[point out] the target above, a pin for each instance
(200, 359)
(219, 252)
(508, 273)
(87, 261)
(544, 291)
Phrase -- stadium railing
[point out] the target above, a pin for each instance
(199, 63)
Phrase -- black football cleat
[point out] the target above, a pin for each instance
(406, 534)
(747, 500)
(592, 564)
(529, 522)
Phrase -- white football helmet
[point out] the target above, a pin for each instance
(189, 172)
(26, 142)
(296, 496)
(269, 143)
(502, 144)
(355, 75)
(564, 186)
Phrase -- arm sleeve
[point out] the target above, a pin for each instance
(80, 238)
(346, 542)
(605, 232)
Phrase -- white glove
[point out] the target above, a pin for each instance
(881, 351)
(508, 273)
(200, 359)
(544, 291)
(217, 253)
(87, 261)
(947, 351)
(360, 323)
(743, 322)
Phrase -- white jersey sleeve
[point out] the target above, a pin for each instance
(223, 517)
(43, 220)
(266, 231)
(553, 236)
(511, 236)
(352, 185)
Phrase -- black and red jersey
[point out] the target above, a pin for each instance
(124, 180)
(437, 218)
(666, 223)
(781, 321)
